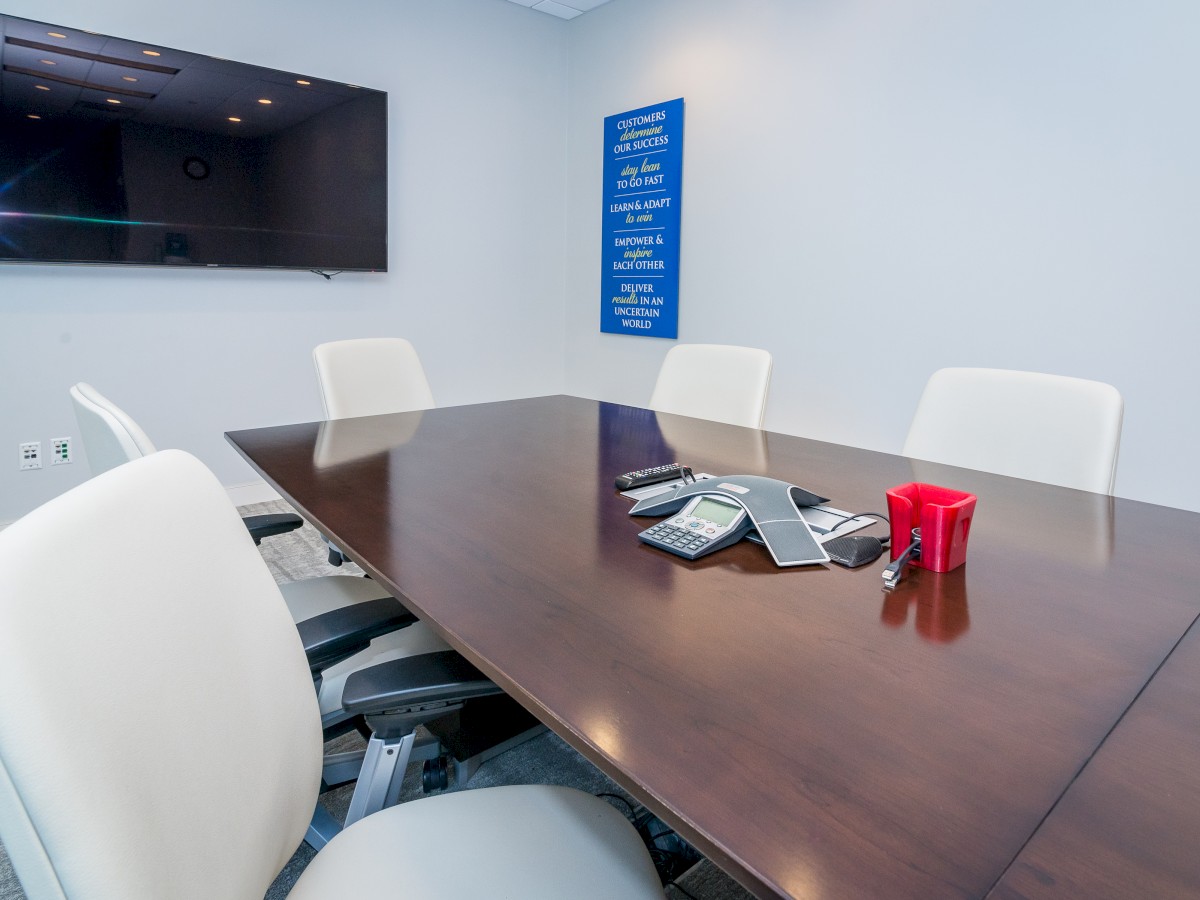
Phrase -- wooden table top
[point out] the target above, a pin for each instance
(811, 734)
(1128, 825)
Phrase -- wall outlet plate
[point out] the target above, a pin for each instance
(30, 455)
(60, 451)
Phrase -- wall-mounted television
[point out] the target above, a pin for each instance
(118, 152)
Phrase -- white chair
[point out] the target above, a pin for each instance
(1048, 428)
(370, 377)
(111, 438)
(718, 382)
(214, 798)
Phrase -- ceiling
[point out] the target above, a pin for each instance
(567, 9)
(55, 74)
(50, 73)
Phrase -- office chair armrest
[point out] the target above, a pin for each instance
(440, 677)
(271, 524)
(337, 635)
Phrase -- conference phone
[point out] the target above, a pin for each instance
(704, 516)
(705, 524)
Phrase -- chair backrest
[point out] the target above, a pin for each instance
(371, 377)
(1048, 428)
(159, 733)
(718, 382)
(109, 436)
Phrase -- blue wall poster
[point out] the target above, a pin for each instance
(643, 169)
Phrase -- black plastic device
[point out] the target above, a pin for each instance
(643, 477)
(854, 550)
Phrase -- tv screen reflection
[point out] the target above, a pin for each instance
(114, 151)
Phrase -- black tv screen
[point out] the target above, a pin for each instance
(114, 151)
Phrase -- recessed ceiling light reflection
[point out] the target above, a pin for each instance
(56, 34)
(32, 116)
(112, 101)
(302, 81)
(234, 119)
(264, 101)
(607, 734)
(151, 53)
(41, 87)
(128, 78)
(48, 62)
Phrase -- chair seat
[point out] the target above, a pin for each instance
(315, 596)
(537, 842)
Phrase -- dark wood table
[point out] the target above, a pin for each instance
(1128, 826)
(813, 735)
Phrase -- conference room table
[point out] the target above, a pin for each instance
(1002, 729)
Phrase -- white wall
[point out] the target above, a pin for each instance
(874, 190)
(477, 142)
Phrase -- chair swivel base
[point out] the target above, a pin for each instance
(464, 738)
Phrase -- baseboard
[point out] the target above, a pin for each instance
(253, 492)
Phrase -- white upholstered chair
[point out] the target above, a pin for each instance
(1048, 428)
(86, 813)
(718, 382)
(111, 437)
(370, 377)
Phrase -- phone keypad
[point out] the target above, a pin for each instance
(669, 535)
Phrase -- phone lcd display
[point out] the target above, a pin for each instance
(716, 511)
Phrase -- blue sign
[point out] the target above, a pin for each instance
(643, 180)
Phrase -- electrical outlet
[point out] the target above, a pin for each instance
(31, 455)
(62, 451)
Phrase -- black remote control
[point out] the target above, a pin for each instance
(643, 477)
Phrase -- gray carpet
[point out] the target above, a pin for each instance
(544, 760)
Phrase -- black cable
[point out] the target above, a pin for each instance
(632, 809)
(881, 516)
(328, 276)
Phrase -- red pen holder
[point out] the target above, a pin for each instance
(944, 516)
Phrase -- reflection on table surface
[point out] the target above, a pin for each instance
(792, 723)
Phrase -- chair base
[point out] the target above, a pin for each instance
(380, 768)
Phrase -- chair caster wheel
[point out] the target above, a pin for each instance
(435, 775)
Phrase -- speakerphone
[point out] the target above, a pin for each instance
(705, 524)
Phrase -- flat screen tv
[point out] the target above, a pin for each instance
(118, 152)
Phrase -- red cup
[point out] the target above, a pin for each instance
(944, 516)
